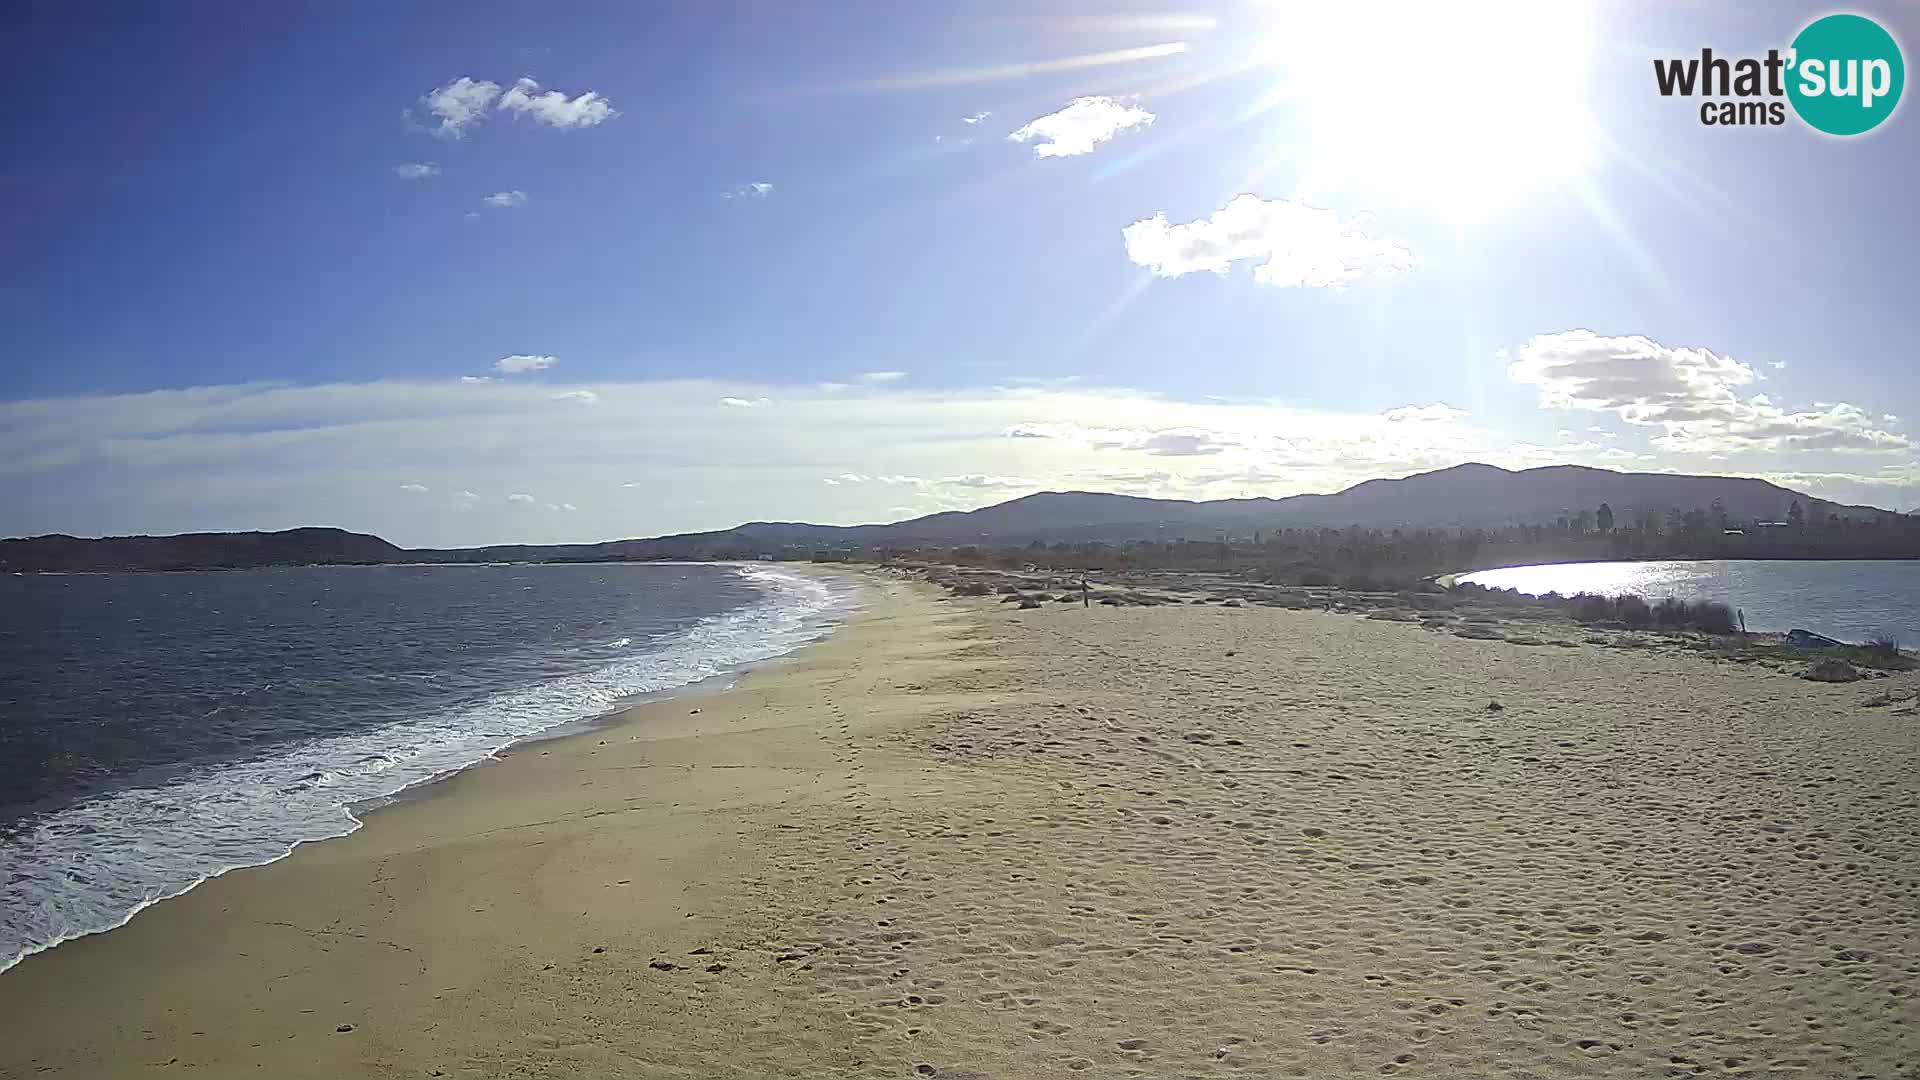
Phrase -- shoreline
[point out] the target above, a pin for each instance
(357, 811)
(139, 966)
(960, 836)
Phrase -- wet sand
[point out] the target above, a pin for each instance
(963, 838)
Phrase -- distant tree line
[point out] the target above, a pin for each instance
(1394, 558)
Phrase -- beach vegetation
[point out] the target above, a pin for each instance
(1633, 612)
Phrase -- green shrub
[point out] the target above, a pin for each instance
(1588, 608)
(1670, 613)
(1633, 611)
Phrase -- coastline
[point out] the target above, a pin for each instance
(963, 837)
(787, 614)
(267, 924)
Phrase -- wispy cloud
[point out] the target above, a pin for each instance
(554, 108)
(416, 488)
(1692, 395)
(745, 403)
(520, 497)
(585, 397)
(882, 376)
(975, 118)
(759, 189)
(506, 200)
(416, 170)
(1081, 127)
(521, 363)
(1293, 245)
(460, 104)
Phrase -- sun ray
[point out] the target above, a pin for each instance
(929, 80)
(1168, 23)
(1090, 334)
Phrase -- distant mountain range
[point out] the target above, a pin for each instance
(1470, 495)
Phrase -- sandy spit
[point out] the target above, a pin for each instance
(960, 838)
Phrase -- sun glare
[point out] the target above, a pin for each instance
(1470, 103)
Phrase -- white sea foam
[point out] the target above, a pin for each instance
(92, 866)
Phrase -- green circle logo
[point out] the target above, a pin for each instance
(1845, 74)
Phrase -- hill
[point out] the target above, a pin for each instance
(196, 551)
(1471, 495)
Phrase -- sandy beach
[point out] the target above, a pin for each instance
(959, 838)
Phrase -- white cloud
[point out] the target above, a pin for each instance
(1296, 245)
(413, 487)
(758, 190)
(586, 397)
(1080, 127)
(506, 200)
(981, 481)
(520, 497)
(518, 364)
(465, 495)
(481, 378)
(975, 118)
(554, 109)
(1778, 365)
(460, 104)
(416, 170)
(1692, 395)
(964, 481)
(882, 376)
(745, 403)
(1418, 413)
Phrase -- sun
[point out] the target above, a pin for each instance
(1470, 103)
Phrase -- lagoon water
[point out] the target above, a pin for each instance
(1851, 600)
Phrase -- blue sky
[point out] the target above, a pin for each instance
(1490, 238)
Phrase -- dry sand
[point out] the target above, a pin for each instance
(960, 838)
